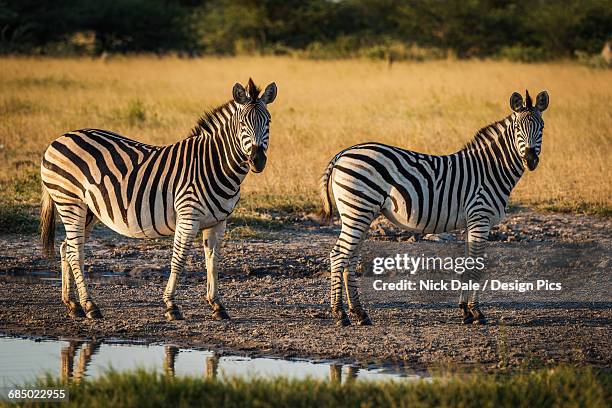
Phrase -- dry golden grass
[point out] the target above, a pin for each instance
(322, 107)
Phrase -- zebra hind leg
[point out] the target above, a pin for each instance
(338, 261)
(78, 222)
(343, 260)
(74, 308)
(356, 310)
(90, 222)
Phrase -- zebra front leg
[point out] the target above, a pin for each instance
(478, 232)
(186, 230)
(474, 304)
(74, 308)
(212, 249)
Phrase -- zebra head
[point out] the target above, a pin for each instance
(528, 126)
(254, 122)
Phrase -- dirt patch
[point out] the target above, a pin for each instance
(276, 289)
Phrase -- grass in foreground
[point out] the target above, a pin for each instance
(563, 386)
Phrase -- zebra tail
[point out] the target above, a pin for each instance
(47, 224)
(326, 213)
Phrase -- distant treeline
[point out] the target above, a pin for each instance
(393, 29)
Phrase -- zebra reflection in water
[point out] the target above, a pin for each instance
(86, 349)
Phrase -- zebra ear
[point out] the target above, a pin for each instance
(516, 102)
(269, 94)
(542, 101)
(240, 95)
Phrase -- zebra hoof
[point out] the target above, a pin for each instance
(92, 311)
(362, 317)
(74, 309)
(364, 321)
(477, 316)
(76, 312)
(173, 313)
(343, 322)
(467, 317)
(468, 320)
(472, 314)
(342, 319)
(94, 314)
(220, 314)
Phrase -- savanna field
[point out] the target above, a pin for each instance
(322, 106)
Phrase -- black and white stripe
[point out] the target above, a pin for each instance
(146, 191)
(430, 194)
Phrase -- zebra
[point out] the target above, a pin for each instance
(145, 191)
(430, 194)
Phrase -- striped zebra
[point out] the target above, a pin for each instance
(145, 191)
(430, 194)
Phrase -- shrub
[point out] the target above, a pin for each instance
(520, 53)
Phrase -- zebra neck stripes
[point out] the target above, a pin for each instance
(493, 162)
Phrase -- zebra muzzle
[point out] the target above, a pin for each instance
(258, 159)
(531, 158)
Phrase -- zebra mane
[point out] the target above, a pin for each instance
(483, 135)
(206, 122)
(253, 90)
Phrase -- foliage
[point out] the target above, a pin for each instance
(593, 61)
(520, 53)
(320, 28)
(50, 26)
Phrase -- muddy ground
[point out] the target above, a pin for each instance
(275, 286)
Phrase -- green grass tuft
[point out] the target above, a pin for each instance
(15, 218)
(19, 199)
(563, 386)
(135, 112)
(278, 203)
(577, 208)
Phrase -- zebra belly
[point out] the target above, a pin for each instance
(409, 216)
(136, 224)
